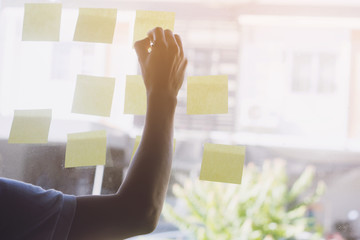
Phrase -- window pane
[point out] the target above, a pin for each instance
(302, 72)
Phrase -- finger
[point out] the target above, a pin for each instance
(171, 41)
(157, 36)
(179, 43)
(181, 70)
(183, 65)
(141, 48)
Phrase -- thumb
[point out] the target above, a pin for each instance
(141, 48)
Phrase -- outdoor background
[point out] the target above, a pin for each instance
(294, 94)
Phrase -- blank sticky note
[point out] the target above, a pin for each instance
(136, 145)
(222, 163)
(30, 126)
(137, 142)
(207, 94)
(95, 25)
(93, 95)
(135, 95)
(86, 149)
(41, 22)
(147, 20)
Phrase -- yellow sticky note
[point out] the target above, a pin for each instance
(85, 149)
(137, 142)
(222, 163)
(136, 145)
(135, 95)
(207, 94)
(41, 22)
(147, 20)
(30, 126)
(93, 95)
(96, 25)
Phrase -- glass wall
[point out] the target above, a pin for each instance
(294, 88)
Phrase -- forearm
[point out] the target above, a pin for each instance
(148, 175)
(137, 205)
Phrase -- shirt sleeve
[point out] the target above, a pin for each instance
(30, 212)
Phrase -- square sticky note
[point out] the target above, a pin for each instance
(41, 22)
(30, 126)
(95, 25)
(222, 163)
(137, 142)
(135, 95)
(147, 20)
(93, 95)
(207, 94)
(86, 149)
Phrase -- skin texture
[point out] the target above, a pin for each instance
(136, 207)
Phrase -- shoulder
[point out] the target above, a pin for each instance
(31, 197)
(18, 191)
(34, 209)
(10, 185)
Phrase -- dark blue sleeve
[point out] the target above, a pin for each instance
(30, 212)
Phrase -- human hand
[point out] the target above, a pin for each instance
(163, 67)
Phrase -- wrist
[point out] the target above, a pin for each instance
(161, 102)
(162, 98)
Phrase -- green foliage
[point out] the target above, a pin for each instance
(264, 206)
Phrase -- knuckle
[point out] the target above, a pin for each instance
(168, 31)
(160, 43)
(136, 44)
(157, 29)
(174, 49)
(141, 42)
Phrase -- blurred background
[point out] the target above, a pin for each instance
(294, 95)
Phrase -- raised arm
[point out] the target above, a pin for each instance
(136, 207)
